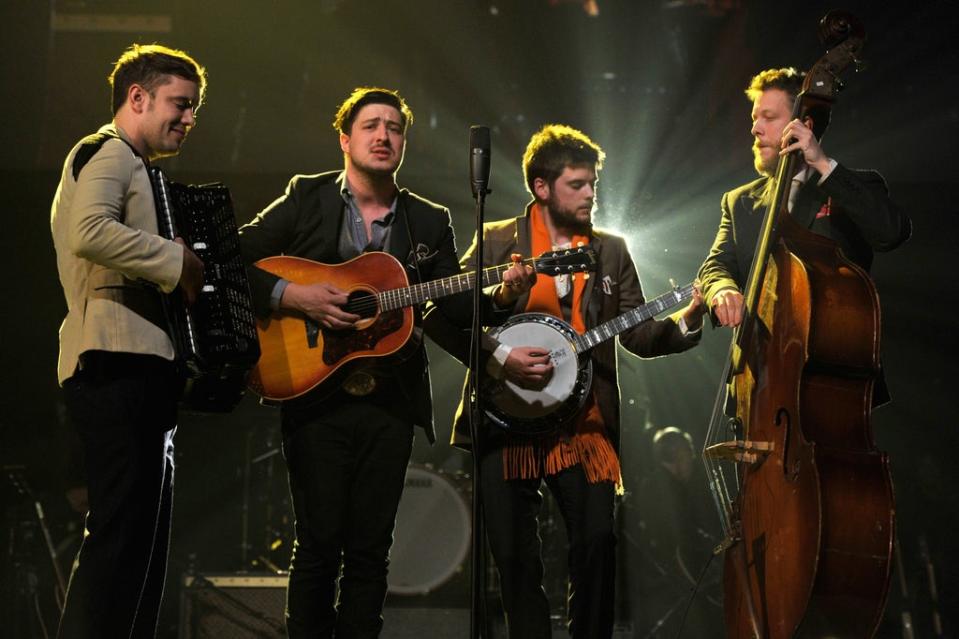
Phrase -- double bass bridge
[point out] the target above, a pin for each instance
(742, 451)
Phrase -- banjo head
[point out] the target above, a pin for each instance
(535, 411)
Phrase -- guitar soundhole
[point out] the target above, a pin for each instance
(362, 303)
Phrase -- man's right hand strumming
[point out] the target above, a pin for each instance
(528, 367)
(321, 302)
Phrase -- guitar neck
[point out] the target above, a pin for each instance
(435, 289)
(629, 319)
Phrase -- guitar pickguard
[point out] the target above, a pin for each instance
(339, 344)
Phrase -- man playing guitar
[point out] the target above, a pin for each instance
(347, 450)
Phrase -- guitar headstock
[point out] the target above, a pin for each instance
(580, 259)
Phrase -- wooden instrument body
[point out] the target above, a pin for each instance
(298, 355)
(816, 514)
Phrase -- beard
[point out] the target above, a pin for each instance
(762, 166)
(569, 218)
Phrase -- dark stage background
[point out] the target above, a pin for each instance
(657, 83)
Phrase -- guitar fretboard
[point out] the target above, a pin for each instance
(435, 289)
(629, 319)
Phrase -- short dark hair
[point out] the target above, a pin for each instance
(553, 148)
(361, 96)
(787, 79)
(148, 65)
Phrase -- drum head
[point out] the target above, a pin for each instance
(432, 534)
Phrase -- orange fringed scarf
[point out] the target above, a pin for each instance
(588, 445)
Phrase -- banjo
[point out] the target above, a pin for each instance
(528, 411)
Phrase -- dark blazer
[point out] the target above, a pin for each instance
(305, 222)
(611, 291)
(862, 219)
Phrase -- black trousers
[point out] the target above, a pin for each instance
(124, 407)
(511, 509)
(347, 466)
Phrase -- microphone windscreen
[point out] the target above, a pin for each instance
(479, 159)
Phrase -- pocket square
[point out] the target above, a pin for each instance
(826, 209)
(420, 255)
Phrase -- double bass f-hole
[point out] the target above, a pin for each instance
(790, 462)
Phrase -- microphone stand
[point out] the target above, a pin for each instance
(478, 621)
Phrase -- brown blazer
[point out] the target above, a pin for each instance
(104, 226)
(611, 291)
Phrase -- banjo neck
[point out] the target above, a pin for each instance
(629, 319)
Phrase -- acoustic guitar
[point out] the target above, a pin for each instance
(297, 354)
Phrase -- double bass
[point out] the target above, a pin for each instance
(807, 511)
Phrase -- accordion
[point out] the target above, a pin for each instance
(215, 339)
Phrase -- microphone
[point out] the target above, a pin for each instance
(479, 160)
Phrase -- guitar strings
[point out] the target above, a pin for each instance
(370, 302)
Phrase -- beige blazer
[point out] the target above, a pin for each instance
(110, 259)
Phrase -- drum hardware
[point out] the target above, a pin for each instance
(31, 594)
(266, 528)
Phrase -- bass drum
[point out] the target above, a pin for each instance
(432, 535)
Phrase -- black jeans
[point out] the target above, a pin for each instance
(124, 407)
(511, 509)
(347, 465)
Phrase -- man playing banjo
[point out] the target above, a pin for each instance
(578, 457)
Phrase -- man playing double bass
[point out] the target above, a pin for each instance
(849, 206)
(805, 376)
